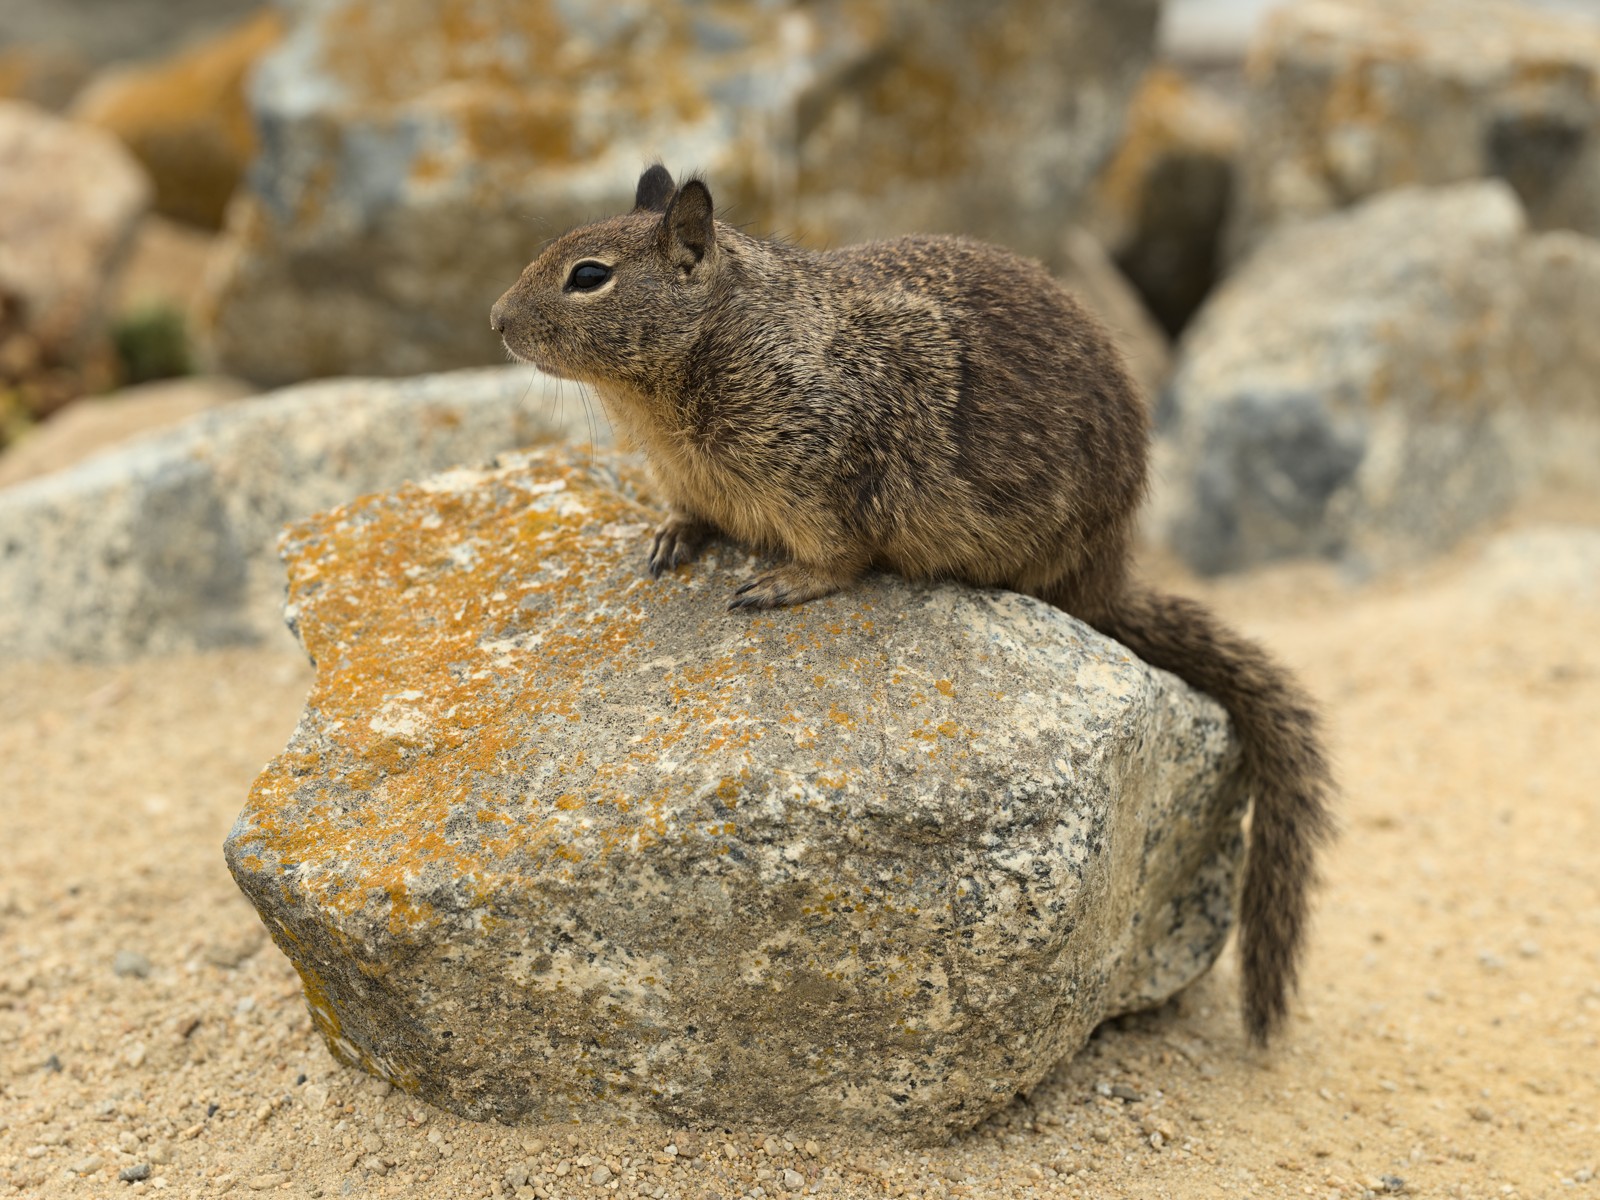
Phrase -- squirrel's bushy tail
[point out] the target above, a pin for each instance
(1286, 772)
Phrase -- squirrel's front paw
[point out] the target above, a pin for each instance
(678, 540)
(792, 584)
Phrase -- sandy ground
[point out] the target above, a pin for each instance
(1445, 1042)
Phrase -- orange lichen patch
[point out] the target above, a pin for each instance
(417, 608)
(462, 630)
(396, 594)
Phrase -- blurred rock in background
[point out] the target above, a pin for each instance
(100, 422)
(1161, 204)
(416, 154)
(45, 76)
(1372, 385)
(1353, 97)
(70, 200)
(185, 117)
(104, 31)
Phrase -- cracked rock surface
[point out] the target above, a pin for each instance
(555, 840)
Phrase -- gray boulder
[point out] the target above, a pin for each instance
(412, 162)
(1354, 97)
(555, 840)
(168, 542)
(1371, 386)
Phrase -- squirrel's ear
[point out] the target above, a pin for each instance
(688, 230)
(655, 190)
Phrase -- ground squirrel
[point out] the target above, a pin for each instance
(930, 405)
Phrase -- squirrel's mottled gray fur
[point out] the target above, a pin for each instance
(931, 405)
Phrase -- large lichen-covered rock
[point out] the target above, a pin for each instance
(167, 542)
(416, 153)
(1354, 97)
(556, 840)
(1371, 386)
(185, 117)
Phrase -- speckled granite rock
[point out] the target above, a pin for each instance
(1371, 386)
(1354, 97)
(416, 153)
(167, 542)
(553, 839)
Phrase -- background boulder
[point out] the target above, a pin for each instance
(168, 542)
(185, 117)
(1353, 97)
(1161, 204)
(556, 840)
(102, 31)
(415, 154)
(70, 199)
(1371, 386)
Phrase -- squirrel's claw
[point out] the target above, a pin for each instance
(792, 584)
(677, 541)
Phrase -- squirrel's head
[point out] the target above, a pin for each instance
(620, 299)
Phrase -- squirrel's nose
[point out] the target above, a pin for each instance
(497, 316)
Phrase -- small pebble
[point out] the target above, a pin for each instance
(130, 964)
(87, 1166)
(602, 1174)
(1123, 1092)
(264, 1183)
(134, 1174)
(793, 1180)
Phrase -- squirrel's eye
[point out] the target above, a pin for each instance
(587, 276)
